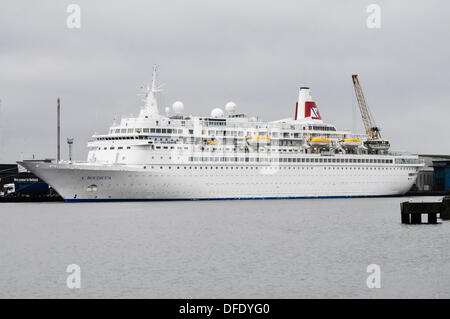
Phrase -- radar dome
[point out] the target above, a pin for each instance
(178, 107)
(167, 109)
(230, 107)
(252, 119)
(217, 112)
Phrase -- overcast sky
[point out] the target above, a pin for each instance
(255, 53)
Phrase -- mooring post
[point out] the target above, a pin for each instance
(405, 213)
(432, 218)
(416, 218)
(445, 211)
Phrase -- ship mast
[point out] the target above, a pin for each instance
(150, 109)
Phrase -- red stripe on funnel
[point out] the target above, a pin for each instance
(308, 107)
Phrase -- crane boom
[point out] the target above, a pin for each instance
(371, 129)
(374, 143)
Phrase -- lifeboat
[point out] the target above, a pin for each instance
(319, 142)
(210, 142)
(350, 142)
(261, 140)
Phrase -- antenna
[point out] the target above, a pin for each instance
(58, 131)
(155, 70)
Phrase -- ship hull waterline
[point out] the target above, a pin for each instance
(84, 182)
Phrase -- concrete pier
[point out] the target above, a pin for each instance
(411, 212)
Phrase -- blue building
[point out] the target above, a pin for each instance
(441, 175)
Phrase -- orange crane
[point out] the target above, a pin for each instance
(375, 143)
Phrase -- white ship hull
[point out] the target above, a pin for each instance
(91, 182)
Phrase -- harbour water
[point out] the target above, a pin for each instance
(312, 248)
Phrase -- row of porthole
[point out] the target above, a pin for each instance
(289, 167)
(243, 184)
(166, 191)
(285, 176)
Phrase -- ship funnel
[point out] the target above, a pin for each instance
(306, 109)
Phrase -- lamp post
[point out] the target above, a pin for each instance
(58, 130)
(70, 142)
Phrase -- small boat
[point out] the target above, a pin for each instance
(319, 142)
(350, 143)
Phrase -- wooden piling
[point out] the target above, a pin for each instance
(432, 218)
(445, 213)
(416, 218)
(405, 218)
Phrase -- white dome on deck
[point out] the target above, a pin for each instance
(230, 107)
(217, 112)
(178, 107)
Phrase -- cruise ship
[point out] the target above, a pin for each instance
(230, 155)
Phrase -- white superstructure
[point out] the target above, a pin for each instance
(227, 155)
